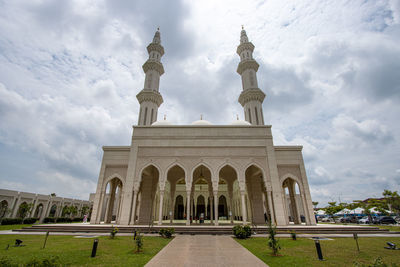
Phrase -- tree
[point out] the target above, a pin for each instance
(392, 199)
(84, 210)
(315, 204)
(333, 208)
(53, 194)
(24, 209)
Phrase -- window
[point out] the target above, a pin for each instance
(145, 116)
(255, 109)
(249, 115)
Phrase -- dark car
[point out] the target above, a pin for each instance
(349, 219)
(386, 220)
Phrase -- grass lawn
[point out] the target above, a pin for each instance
(337, 252)
(76, 251)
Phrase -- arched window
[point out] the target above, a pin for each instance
(145, 116)
(249, 115)
(255, 110)
(151, 118)
(3, 208)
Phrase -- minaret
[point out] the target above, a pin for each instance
(150, 98)
(252, 97)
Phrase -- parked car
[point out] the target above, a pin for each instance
(386, 220)
(364, 220)
(349, 219)
(326, 219)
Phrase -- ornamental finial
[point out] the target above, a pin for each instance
(237, 117)
(165, 117)
(201, 116)
(158, 28)
(242, 27)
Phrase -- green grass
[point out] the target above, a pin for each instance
(337, 252)
(76, 251)
(13, 226)
(393, 228)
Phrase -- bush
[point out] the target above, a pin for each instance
(139, 242)
(167, 232)
(63, 220)
(241, 232)
(77, 219)
(273, 242)
(9, 221)
(293, 235)
(30, 220)
(6, 262)
(49, 220)
(113, 232)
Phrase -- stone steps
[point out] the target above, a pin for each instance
(217, 230)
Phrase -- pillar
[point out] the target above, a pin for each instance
(270, 207)
(133, 215)
(211, 208)
(216, 207)
(160, 211)
(294, 210)
(188, 207)
(244, 209)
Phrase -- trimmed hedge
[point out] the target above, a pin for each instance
(242, 232)
(49, 220)
(166, 232)
(30, 220)
(77, 219)
(64, 219)
(9, 221)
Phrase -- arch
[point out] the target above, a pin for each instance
(149, 165)
(256, 165)
(38, 211)
(210, 169)
(201, 206)
(53, 210)
(175, 164)
(109, 178)
(292, 200)
(179, 208)
(3, 208)
(222, 207)
(284, 177)
(229, 164)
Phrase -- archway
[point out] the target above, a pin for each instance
(38, 211)
(202, 186)
(222, 208)
(148, 187)
(53, 210)
(228, 187)
(293, 205)
(3, 208)
(112, 200)
(179, 210)
(255, 206)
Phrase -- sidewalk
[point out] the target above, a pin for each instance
(204, 250)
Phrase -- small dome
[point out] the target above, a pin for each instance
(240, 123)
(161, 123)
(201, 122)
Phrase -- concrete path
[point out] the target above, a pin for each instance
(204, 250)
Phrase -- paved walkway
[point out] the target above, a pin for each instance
(204, 250)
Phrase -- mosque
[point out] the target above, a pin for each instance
(202, 173)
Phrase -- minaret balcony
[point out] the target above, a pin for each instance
(155, 47)
(150, 96)
(247, 64)
(153, 65)
(251, 95)
(245, 46)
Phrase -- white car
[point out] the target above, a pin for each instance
(364, 220)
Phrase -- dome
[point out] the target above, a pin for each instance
(162, 123)
(240, 123)
(201, 122)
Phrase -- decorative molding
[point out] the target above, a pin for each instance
(153, 65)
(155, 47)
(247, 64)
(244, 46)
(151, 96)
(251, 94)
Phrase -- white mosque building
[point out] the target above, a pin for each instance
(202, 173)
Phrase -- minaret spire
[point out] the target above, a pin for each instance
(251, 97)
(150, 98)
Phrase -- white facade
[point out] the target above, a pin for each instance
(43, 205)
(223, 174)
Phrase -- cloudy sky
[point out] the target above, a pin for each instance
(70, 70)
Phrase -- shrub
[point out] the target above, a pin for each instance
(30, 220)
(241, 232)
(77, 219)
(293, 235)
(139, 242)
(63, 219)
(273, 242)
(113, 232)
(6, 262)
(166, 232)
(49, 220)
(377, 263)
(9, 221)
(46, 262)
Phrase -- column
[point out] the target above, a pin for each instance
(293, 205)
(160, 211)
(97, 219)
(188, 207)
(216, 207)
(16, 207)
(244, 209)
(133, 215)
(211, 208)
(270, 207)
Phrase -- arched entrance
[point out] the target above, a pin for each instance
(179, 210)
(112, 200)
(148, 187)
(222, 208)
(229, 201)
(200, 207)
(256, 191)
(53, 210)
(3, 208)
(201, 190)
(292, 199)
(38, 211)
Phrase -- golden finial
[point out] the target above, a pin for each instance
(242, 27)
(237, 117)
(165, 117)
(158, 28)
